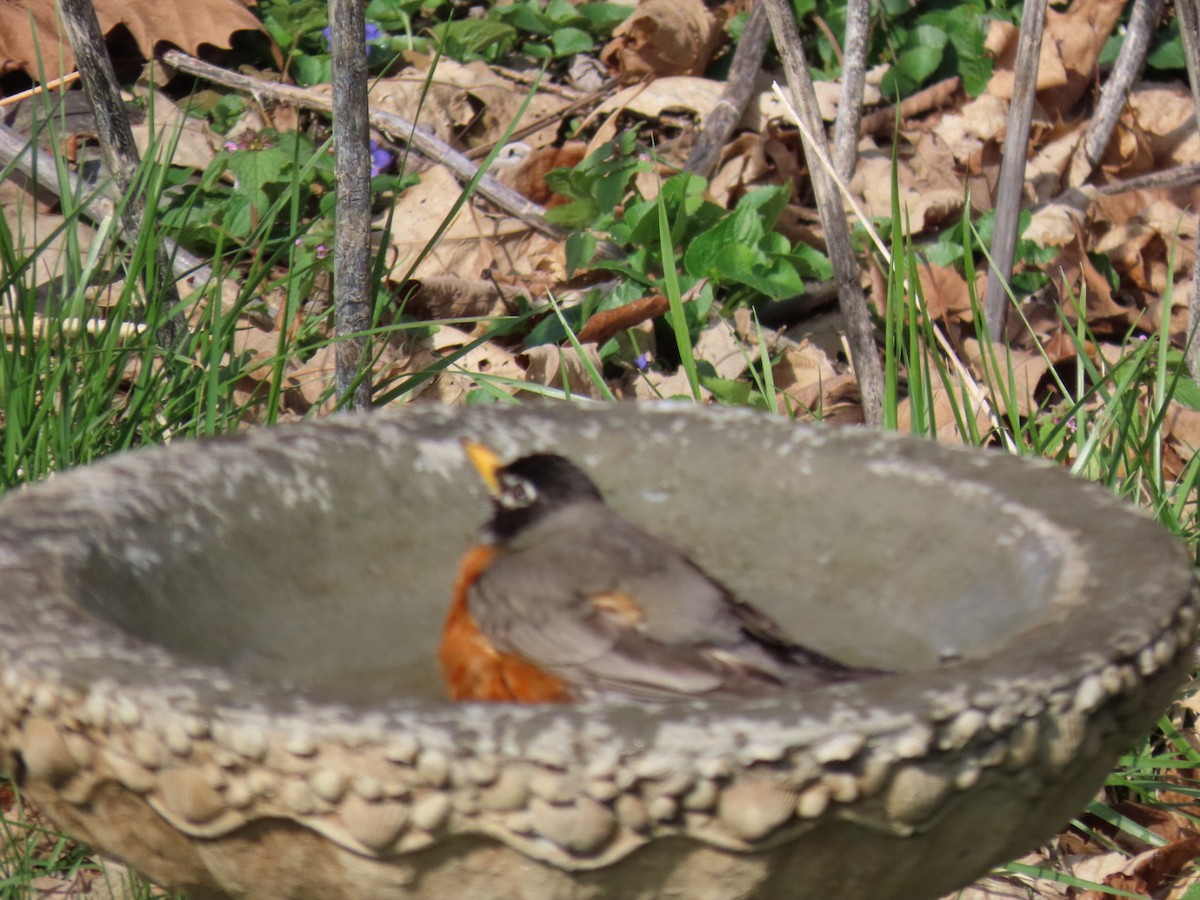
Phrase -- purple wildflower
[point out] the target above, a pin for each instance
(381, 158)
(372, 33)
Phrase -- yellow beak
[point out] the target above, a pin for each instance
(485, 460)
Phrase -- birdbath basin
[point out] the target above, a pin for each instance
(218, 663)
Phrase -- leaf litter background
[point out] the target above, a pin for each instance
(1118, 249)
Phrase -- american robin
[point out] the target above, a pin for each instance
(563, 599)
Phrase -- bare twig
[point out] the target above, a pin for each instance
(352, 295)
(1142, 22)
(1176, 176)
(854, 80)
(863, 353)
(739, 87)
(933, 97)
(1011, 187)
(581, 103)
(1189, 28)
(117, 148)
(398, 127)
(52, 85)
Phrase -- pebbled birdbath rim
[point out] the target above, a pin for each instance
(109, 691)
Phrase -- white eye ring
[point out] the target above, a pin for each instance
(518, 493)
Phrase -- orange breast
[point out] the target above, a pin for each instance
(475, 670)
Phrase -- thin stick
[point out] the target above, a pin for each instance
(352, 295)
(739, 87)
(854, 80)
(577, 105)
(117, 148)
(398, 127)
(1011, 187)
(1142, 22)
(933, 97)
(53, 85)
(864, 355)
(1189, 28)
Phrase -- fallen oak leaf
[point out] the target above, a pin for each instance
(186, 24)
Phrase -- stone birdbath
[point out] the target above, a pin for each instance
(218, 664)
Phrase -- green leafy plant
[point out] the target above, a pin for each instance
(923, 42)
(737, 250)
(251, 182)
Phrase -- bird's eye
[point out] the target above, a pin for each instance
(517, 493)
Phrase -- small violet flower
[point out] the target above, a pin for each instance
(381, 158)
(372, 33)
(642, 361)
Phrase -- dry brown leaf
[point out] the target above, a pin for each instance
(1129, 151)
(441, 109)
(1149, 872)
(1166, 117)
(1182, 428)
(1096, 867)
(41, 237)
(1184, 886)
(1000, 888)
(529, 175)
(930, 190)
(187, 24)
(663, 37)
(1055, 224)
(20, 22)
(945, 403)
(462, 104)
(452, 385)
(562, 367)
(191, 142)
(945, 292)
(606, 323)
(1073, 271)
(1028, 368)
(1141, 246)
(802, 366)
(474, 242)
(314, 377)
(835, 400)
(450, 297)
(1061, 346)
(719, 346)
(1170, 824)
(1044, 172)
(1071, 45)
(754, 160)
(677, 93)
(769, 106)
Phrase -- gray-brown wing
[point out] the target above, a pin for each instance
(650, 625)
